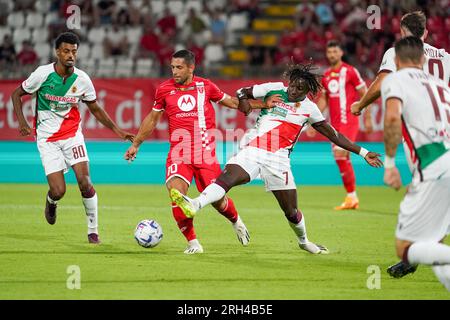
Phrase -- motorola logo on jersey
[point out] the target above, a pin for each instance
(186, 102)
(333, 86)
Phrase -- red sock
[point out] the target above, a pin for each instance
(347, 173)
(229, 211)
(186, 225)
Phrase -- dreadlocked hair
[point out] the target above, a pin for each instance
(296, 71)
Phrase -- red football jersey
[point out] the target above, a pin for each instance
(190, 112)
(340, 86)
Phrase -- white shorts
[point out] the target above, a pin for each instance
(425, 212)
(274, 168)
(60, 155)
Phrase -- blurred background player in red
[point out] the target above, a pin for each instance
(187, 99)
(342, 85)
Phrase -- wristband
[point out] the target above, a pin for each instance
(363, 152)
(240, 94)
(389, 162)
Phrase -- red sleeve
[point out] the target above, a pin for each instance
(160, 102)
(215, 94)
(356, 80)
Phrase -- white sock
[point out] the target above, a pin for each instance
(50, 200)
(352, 195)
(300, 230)
(212, 193)
(194, 243)
(91, 208)
(443, 274)
(429, 253)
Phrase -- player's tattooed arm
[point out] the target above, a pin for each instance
(392, 126)
(16, 98)
(392, 138)
(324, 128)
(101, 115)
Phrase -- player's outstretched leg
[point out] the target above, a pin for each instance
(287, 200)
(57, 190)
(344, 164)
(90, 200)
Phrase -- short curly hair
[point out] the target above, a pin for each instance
(67, 37)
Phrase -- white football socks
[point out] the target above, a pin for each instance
(429, 253)
(211, 194)
(91, 208)
(352, 195)
(443, 274)
(300, 230)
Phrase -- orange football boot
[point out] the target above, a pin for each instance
(349, 203)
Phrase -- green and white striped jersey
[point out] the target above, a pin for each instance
(57, 98)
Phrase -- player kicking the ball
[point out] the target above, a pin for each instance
(266, 148)
(59, 87)
(187, 99)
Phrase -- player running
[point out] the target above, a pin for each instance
(187, 101)
(59, 87)
(418, 108)
(437, 64)
(266, 148)
(342, 85)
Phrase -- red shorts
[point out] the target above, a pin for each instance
(204, 174)
(350, 131)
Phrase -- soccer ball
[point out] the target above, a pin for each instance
(148, 233)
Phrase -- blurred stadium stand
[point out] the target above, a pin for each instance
(238, 38)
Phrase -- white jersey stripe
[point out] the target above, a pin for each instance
(343, 94)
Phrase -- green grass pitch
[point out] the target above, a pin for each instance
(34, 256)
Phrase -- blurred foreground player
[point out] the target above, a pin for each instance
(418, 110)
(437, 64)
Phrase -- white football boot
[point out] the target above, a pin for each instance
(313, 248)
(193, 247)
(241, 231)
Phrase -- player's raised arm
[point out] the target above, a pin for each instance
(145, 130)
(101, 115)
(339, 139)
(372, 94)
(16, 98)
(367, 115)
